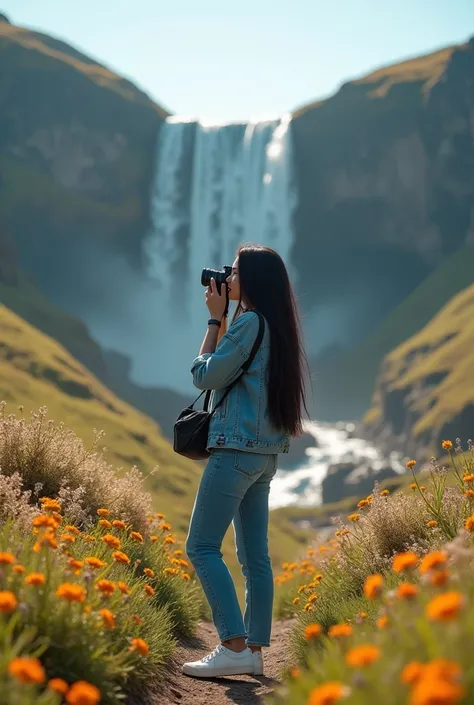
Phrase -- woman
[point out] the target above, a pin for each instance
(246, 434)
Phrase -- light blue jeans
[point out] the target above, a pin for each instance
(235, 487)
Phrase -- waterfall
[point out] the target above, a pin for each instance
(215, 187)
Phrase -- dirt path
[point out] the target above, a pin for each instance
(247, 690)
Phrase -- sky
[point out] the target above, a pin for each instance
(222, 60)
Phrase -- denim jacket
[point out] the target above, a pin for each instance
(242, 421)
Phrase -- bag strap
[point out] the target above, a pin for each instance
(245, 366)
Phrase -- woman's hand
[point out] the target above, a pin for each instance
(215, 302)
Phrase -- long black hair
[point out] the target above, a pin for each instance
(265, 286)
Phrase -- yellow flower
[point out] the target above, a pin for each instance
(308, 607)
(312, 598)
(123, 587)
(362, 655)
(149, 590)
(83, 693)
(363, 503)
(407, 591)
(404, 561)
(105, 523)
(119, 524)
(469, 524)
(139, 645)
(328, 693)
(111, 541)
(337, 631)
(106, 587)
(296, 601)
(71, 592)
(94, 562)
(373, 586)
(108, 618)
(186, 577)
(58, 685)
(301, 589)
(35, 579)
(411, 464)
(8, 601)
(354, 517)
(27, 670)
(312, 631)
(121, 557)
(103, 512)
(447, 445)
(136, 536)
(7, 558)
(445, 607)
(433, 560)
(149, 572)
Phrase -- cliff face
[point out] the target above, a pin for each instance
(76, 154)
(386, 181)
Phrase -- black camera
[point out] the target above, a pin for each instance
(220, 275)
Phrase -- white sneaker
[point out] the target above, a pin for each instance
(257, 663)
(222, 662)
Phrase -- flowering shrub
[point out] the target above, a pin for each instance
(393, 628)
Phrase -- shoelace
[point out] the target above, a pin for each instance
(216, 651)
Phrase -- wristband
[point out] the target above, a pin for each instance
(214, 322)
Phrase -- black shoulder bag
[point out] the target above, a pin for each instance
(191, 428)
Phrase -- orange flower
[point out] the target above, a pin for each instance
(76, 565)
(160, 516)
(105, 523)
(312, 598)
(178, 552)
(407, 591)
(50, 505)
(137, 619)
(111, 541)
(443, 668)
(108, 618)
(308, 607)
(354, 517)
(338, 631)
(296, 601)
(71, 592)
(385, 493)
(411, 464)
(119, 524)
(8, 601)
(83, 693)
(139, 645)
(57, 518)
(404, 561)
(165, 527)
(103, 512)
(72, 530)
(19, 568)
(153, 538)
(469, 494)
(432, 524)
(412, 673)
(149, 590)
(413, 486)
(446, 606)
(382, 621)
(67, 538)
(186, 577)
(438, 578)
(447, 445)
(27, 670)
(149, 572)
(35, 579)
(58, 685)
(171, 571)
(362, 615)
(106, 587)
(94, 562)
(469, 477)
(362, 655)
(89, 539)
(312, 631)
(170, 540)
(120, 557)
(44, 520)
(328, 693)
(433, 560)
(469, 524)
(136, 536)
(373, 586)
(301, 589)
(123, 587)
(7, 558)
(436, 692)
(295, 672)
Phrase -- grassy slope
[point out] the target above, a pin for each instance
(443, 347)
(35, 370)
(354, 374)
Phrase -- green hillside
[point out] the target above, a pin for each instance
(425, 391)
(36, 371)
(347, 380)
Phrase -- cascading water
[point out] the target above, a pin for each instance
(215, 186)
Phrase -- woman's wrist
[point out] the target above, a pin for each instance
(214, 322)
